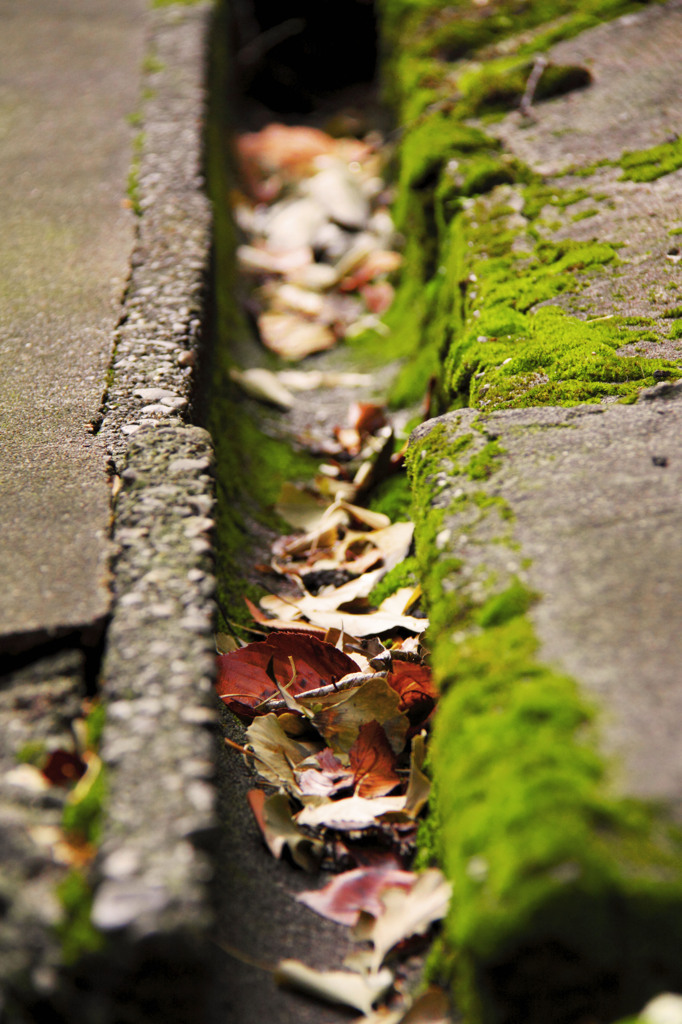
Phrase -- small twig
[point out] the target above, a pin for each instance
(350, 682)
(531, 85)
(242, 750)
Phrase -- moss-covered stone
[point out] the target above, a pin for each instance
(567, 899)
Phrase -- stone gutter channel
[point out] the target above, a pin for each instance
(522, 537)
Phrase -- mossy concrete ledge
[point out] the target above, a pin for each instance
(541, 274)
(549, 540)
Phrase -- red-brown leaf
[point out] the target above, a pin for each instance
(243, 680)
(373, 762)
(63, 767)
(366, 417)
(354, 891)
(414, 684)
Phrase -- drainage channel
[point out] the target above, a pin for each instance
(271, 431)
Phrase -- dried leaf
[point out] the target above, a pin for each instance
(353, 812)
(298, 507)
(243, 682)
(375, 263)
(414, 684)
(296, 299)
(373, 624)
(313, 380)
(273, 816)
(373, 762)
(256, 260)
(419, 785)
(431, 1007)
(263, 385)
(64, 767)
(366, 417)
(339, 720)
(292, 337)
(277, 753)
(287, 625)
(405, 914)
(378, 297)
(354, 891)
(348, 988)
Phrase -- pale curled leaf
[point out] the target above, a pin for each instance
(348, 988)
(431, 1007)
(405, 914)
(349, 893)
(264, 386)
(419, 786)
(273, 815)
(276, 753)
(354, 812)
(340, 721)
(372, 624)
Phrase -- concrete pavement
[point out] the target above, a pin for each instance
(70, 78)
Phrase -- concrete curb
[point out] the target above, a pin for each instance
(153, 871)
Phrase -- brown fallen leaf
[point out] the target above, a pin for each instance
(245, 676)
(273, 817)
(405, 914)
(366, 417)
(256, 260)
(339, 718)
(351, 892)
(277, 754)
(419, 785)
(286, 625)
(374, 624)
(292, 337)
(375, 263)
(414, 684)
(378, 297)
(373, 762)
(63, 767)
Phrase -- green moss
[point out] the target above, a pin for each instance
(538, 851)
(567, 901)
(482, 464)
(392, 497)
(403, 575)
(652, 163)
(151, 65)
(584, 215)
(82, 818)
(34, 752)
(500, 608)
(75, 930)
(133, 184)
(502, 354)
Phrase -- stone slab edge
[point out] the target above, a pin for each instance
(153, 872)
(155, 866)
(579, 506)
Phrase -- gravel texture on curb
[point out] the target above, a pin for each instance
(153, 872)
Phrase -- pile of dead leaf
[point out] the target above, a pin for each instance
(337, 729)
(337, 726)
(338, 694)
(320, 238)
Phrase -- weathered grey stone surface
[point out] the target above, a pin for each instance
(70, 77)
(153, 872)
(629, 106)
(595, 496)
